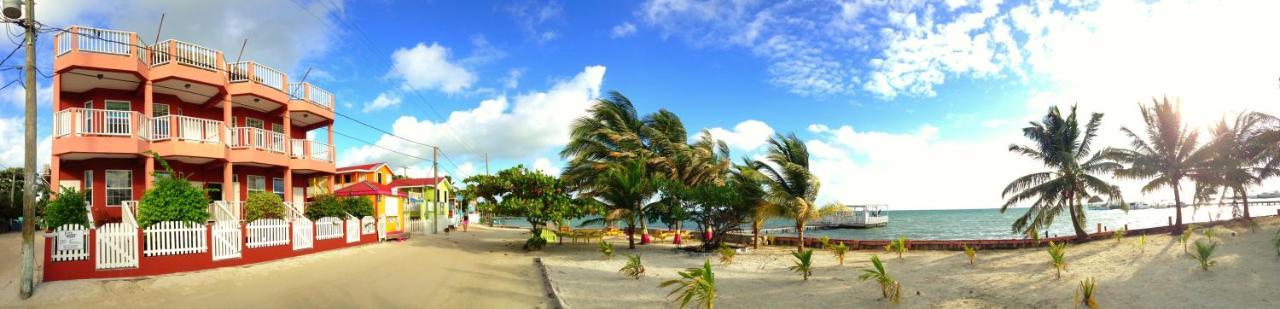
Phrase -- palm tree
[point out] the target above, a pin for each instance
(792, 187)
(625, 189)
(1240, 155)
(1063, 148)
(752, 189)
(1167, 153)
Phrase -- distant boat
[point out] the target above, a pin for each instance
(855, 216)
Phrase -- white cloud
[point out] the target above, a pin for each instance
(17, 96)
(747, 135)
(994, 123)
(536, 18)
(11, 135)
(505, 127)
(512, 80)
(544, 165)
(429, 67)
(623, 30)
(281, 34)
(383, 101)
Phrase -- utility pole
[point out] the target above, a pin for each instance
(435, 191)
(486, 163)
(27, 284)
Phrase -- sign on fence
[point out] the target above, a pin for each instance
(71, 240)
(69, 243)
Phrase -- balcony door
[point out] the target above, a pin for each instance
(117, 114)
(256, 135)
(160, 121)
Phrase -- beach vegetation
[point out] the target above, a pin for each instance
(634, 268)
(537, 240)
(1142, 241)
(698, 283)
(1118, 235)
(1242, 157)
(889, 288)
(792, 187)
(68, 207)
(172, 198)
(825, 241)
(1034, 236)
(1071, 174)
(1186, 236)
(1058, 257)
(898, 246)
(624, 190)
(538, 198)
(840, 249)
(721, 207)
(1208, 233)
(1164, 154)
(262, 205)
(726, 254)
(971, 253)
(804, 263)
(1086, 294)
(1204, 253)
(606, 249)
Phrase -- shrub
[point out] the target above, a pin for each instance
(1058, 257)
(1118, 235)
(897, 245)
(634, 268)
(726, 254)
(606, 249)
(889, 288)
(825, 241)
(1085, 294)
(839, 250)
(173, 198)
(67, 208)
(1208, 233)
(535, 242)
(804, 263)
(1142, 242)
(263, 205)
(1034, 235)
(324, 206)
(1186, 235)
(694, 283)
(358, 207)
(1204, 253)
(970, 252)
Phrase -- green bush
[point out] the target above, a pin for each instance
(173, 199)
(262, 205)
(324, 206)
(67, 208)
(357, 206)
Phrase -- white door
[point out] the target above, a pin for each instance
(160, 124)
(235, 191)
(298, 195)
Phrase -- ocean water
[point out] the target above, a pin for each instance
(990, 223)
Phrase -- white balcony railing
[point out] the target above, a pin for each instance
(83, 121)
(256, 72)
(311, 93)
(255, 138)
(186, 128)
(298, 148)
(320, 152)
(95, 40)
(185, 53)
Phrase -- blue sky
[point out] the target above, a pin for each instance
(894, 99)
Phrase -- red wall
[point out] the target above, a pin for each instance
(159, 265)
(74, 170)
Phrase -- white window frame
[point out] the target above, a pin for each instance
(280, 182)
(109, 188)
(250, 181)
(261, 124)
(155, 110)
(87, 187)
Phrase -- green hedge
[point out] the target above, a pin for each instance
(173, 199)
(325, 206)
(262, 205)
(358, 206)
(67, 208)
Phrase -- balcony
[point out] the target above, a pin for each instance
(256, 146)
(311, 156)
(82, 132)
(92, 58)
(189, 71)
(258, 86)
(309, 105)
(187, 139)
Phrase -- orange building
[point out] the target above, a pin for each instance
(231, 128)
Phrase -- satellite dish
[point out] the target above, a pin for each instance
(12, 9)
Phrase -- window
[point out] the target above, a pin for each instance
(253, 123)
(257, 183)
(159, 110)
(119, 186)
(88, 188)
(276, 127)
(277, 186)
(346, 178)
(160, 175)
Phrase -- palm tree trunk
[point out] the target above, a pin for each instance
(631, 233)
(1177, 206)
(1244, 197)
(644, 231)
(800, 231)
(1081, 235)
(755, 234)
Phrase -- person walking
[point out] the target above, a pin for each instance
(466, 220)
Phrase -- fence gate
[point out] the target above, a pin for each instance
(302, 234)
(226, 240)
(353, 229)
(117, 246)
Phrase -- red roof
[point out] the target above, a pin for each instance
(365, 188)
(362, 167)
(415, 182)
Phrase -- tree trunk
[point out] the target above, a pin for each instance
(755, 234)
(1244, 197)
(644, 231)
(1081, 235)
(631, 233)
(800, 231)
(1177, 206)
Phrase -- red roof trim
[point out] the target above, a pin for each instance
(364, 188)
(361, 168)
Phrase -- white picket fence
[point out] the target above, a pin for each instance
(328, 228)
(174, 237)
(353, 229)
(73, 254)
(303, 233)
(226, 240)
(368, 226)
(116, 246)
(382, 229)
(267, 232)
(414, 226)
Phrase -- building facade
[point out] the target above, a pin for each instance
(121, 109)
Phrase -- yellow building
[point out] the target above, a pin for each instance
(371, 181)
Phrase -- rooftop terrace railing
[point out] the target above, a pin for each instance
(96, 40)
(311, 93)
(256, 72)
(186, 54)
